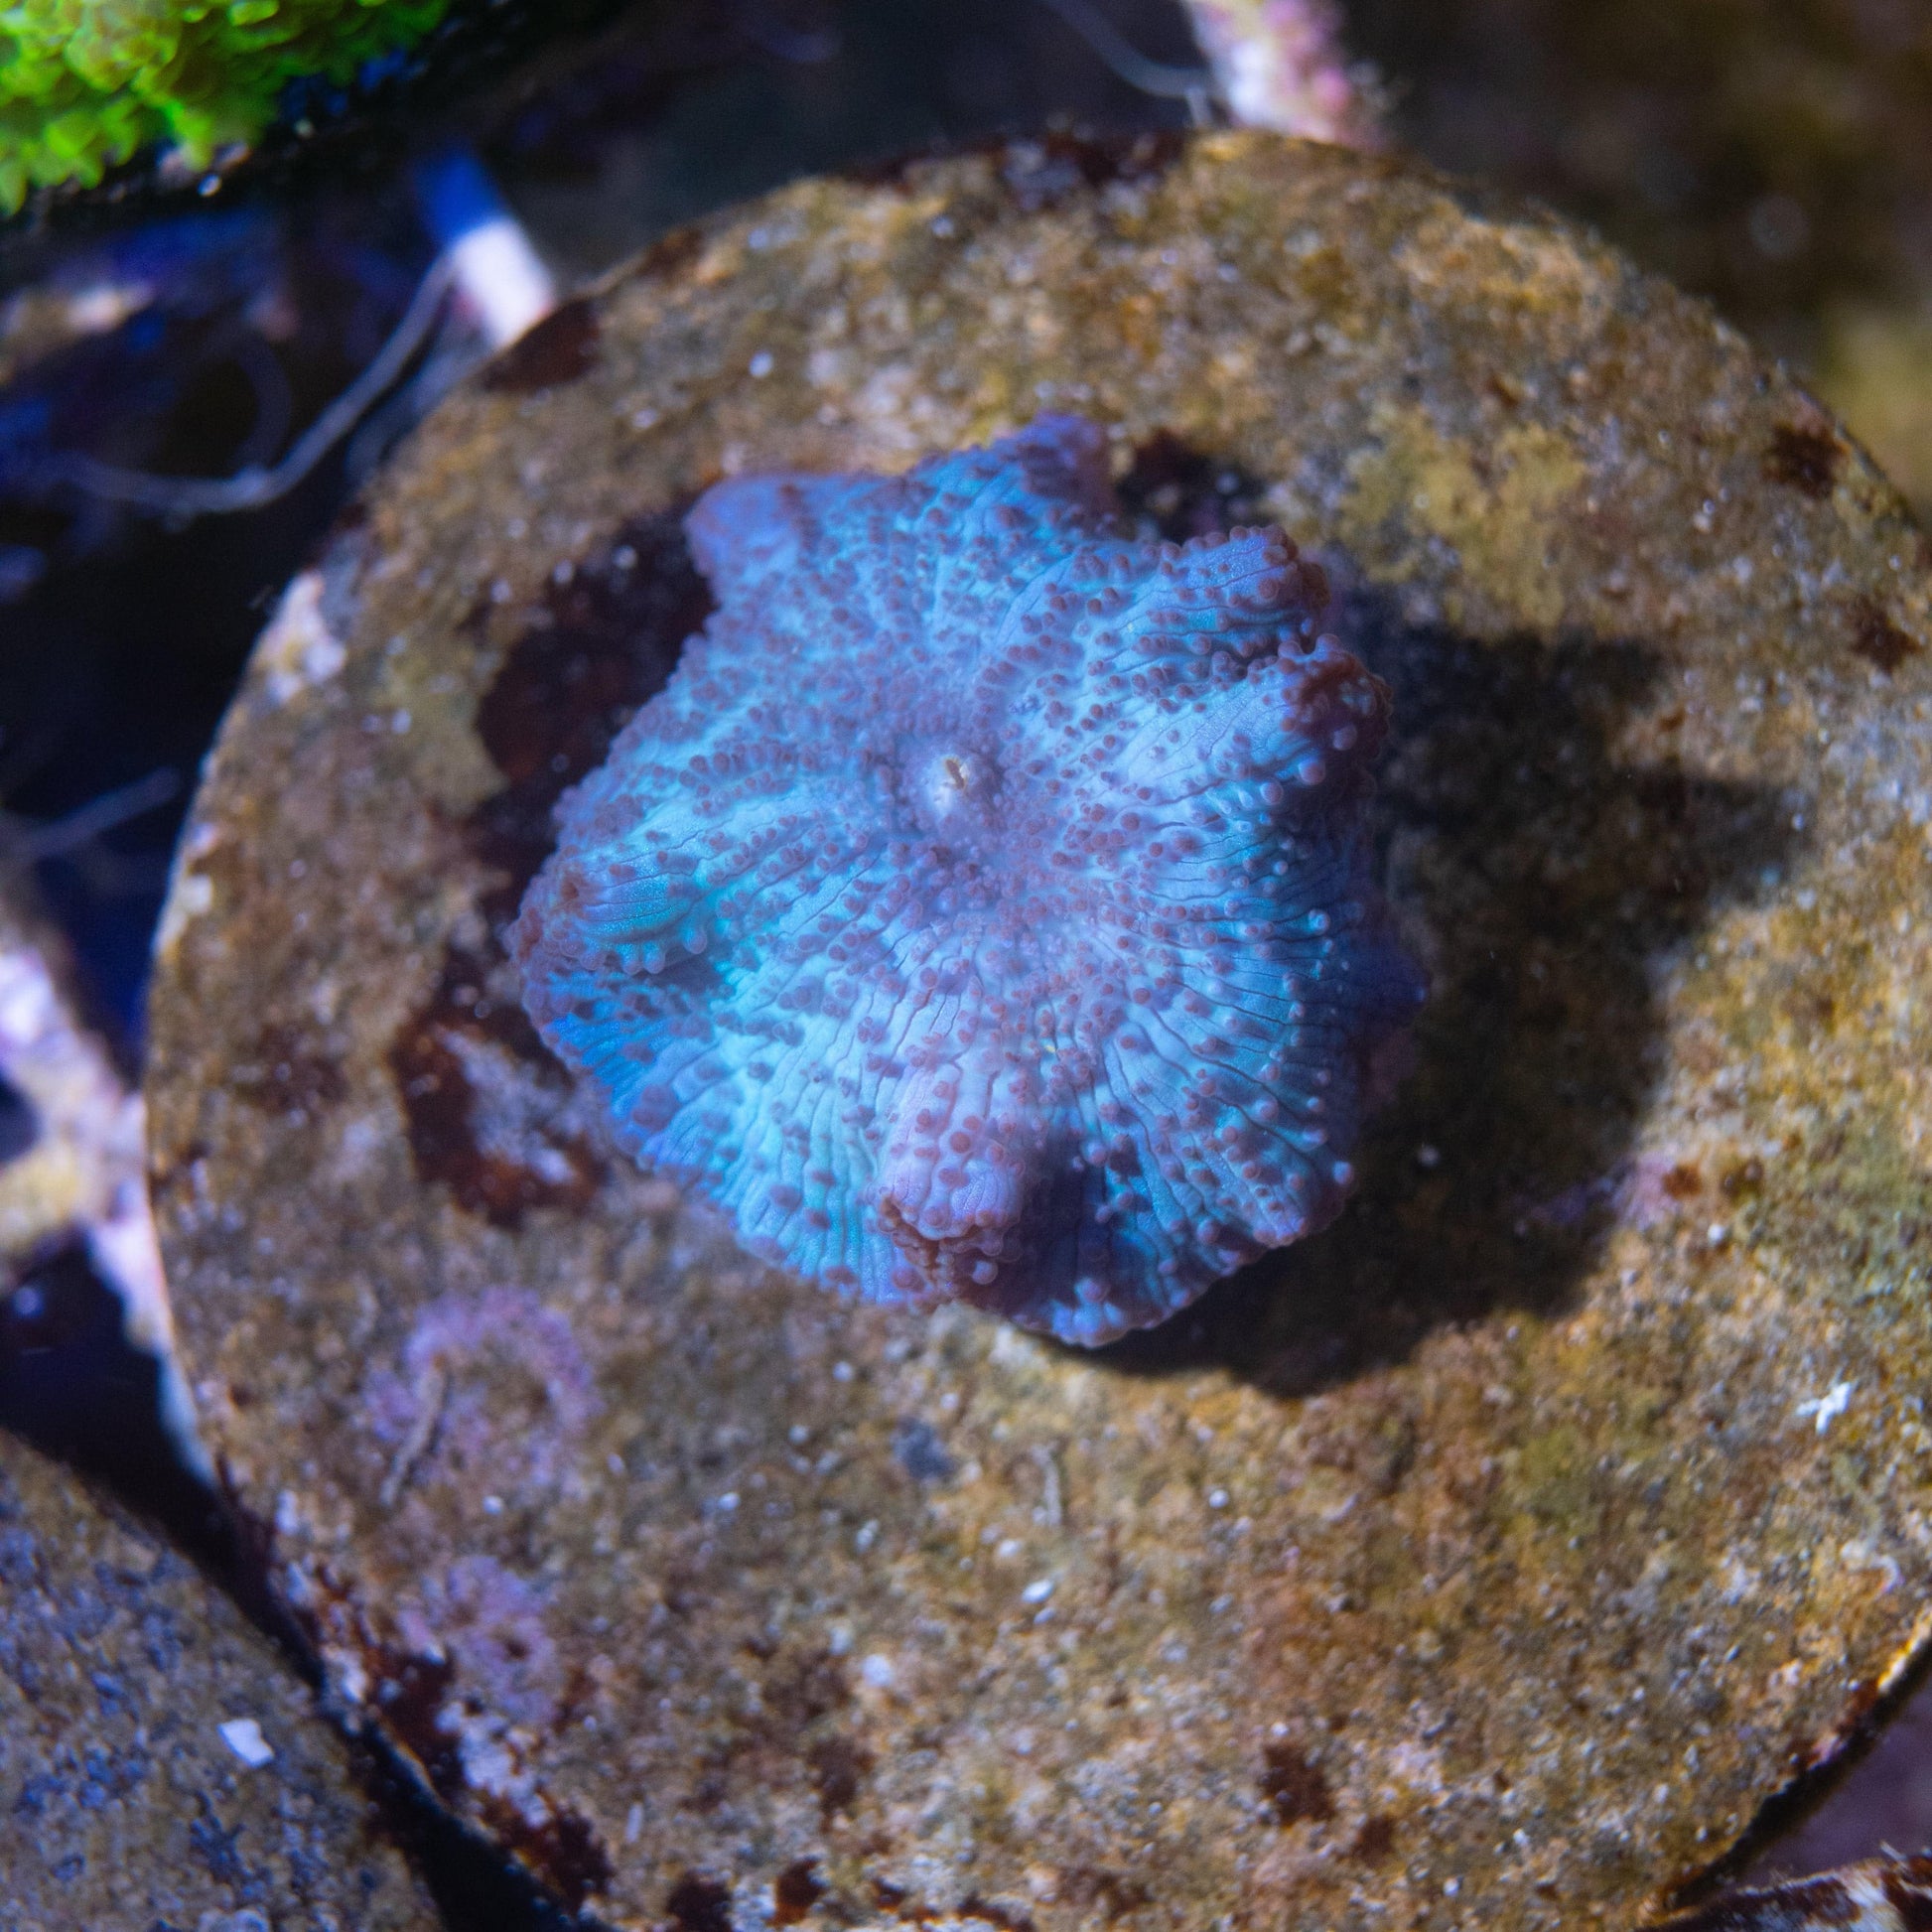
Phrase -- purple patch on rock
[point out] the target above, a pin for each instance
(490, 1624)
(984, 908)
(490, 1394)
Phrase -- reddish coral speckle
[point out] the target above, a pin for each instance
(983, 909)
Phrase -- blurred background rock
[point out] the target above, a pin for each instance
(1773, 155)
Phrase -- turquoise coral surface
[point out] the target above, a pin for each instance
(87, 85)
(984, 910)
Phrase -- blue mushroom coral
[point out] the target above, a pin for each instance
(984, 910)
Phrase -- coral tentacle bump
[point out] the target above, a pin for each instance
(984, 910)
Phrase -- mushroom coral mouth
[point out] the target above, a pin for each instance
(984, 910)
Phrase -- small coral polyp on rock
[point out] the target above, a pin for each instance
(983, 911)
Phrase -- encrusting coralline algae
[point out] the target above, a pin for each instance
(984, 910)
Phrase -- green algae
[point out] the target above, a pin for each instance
(85, 86)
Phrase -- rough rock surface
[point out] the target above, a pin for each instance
(159, 1765)
(1488, 1559)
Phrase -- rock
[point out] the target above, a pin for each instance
(159, 1765)
(73, 1154)
(1879, 1895)
(1488, 1558)
(1280, 63)
(1770, 159)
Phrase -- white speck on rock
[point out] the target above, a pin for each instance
(346, 1674)
(243, 1736)
(191, 897)
(1826, 1408)
(297, 650)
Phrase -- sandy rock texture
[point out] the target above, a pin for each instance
(1487, 1560)
(159, 1764)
